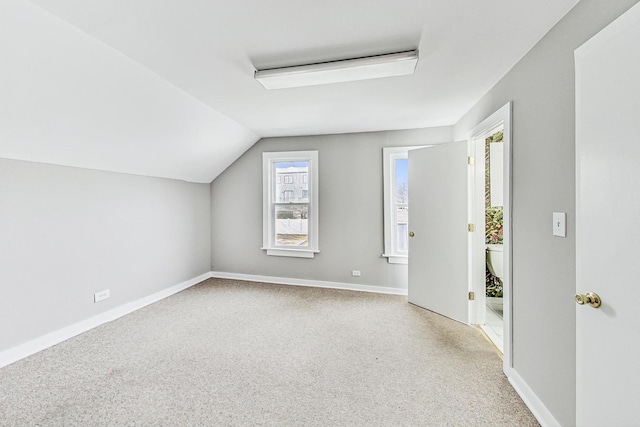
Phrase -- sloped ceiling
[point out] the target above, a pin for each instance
(165, 87)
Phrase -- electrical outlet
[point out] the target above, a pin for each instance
(355, 273)
(102, 295)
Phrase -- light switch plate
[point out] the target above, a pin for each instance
(560, 224)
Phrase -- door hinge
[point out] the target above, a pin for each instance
(471, 228)
(472, 296)
(470, 160)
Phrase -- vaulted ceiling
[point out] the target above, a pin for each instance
(165, 87)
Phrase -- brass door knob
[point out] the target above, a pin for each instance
(411, 234)
(590, 298)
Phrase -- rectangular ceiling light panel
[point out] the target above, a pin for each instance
(371, 67)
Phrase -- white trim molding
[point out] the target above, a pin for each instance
(36, 345)
(396, 259)
(295, 253)
(310, 283)
(535, 405)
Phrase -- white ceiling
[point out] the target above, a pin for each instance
(208, 52)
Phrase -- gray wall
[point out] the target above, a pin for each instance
(67, 233)
(541, 87)
(351, 209)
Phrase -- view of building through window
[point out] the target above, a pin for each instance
(401, 201)
(291, 203)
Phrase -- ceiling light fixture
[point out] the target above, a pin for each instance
(370, 67)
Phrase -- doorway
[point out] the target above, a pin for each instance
(490, 244)
(493, 235)
(447, 263)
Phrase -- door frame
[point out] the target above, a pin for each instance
(477, 312)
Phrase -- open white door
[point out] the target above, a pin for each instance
(607, 232)
(438, 249)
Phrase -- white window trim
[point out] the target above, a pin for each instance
(268, 209)
(389, 155)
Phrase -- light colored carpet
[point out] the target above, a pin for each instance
(231, 353)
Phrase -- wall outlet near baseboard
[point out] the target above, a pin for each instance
(355, 273)
(102, 295)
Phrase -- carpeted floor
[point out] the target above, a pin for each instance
(231, 353)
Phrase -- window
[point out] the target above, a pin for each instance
(396, 203)
(290, 206)
(400, 205)
(287, 196)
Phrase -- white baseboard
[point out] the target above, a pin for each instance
(311, 283)
(535, 405)
(31, 347)
(537, 408)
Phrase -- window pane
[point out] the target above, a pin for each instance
(401, 199)
(292, 225)
(403, 238)
(402, 181)
(402, 235)
(291, 182)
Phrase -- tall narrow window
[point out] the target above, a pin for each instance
(290, 200)
(396, 203)
(400, 208)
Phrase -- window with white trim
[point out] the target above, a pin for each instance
(396, 203)
(290, 203)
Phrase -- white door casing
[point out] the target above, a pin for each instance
(502, 117)
(438, 252)
(607, 232)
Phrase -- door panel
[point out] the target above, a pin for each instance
(607, 232)
(438, 254)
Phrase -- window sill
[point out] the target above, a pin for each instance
(294, 253)
(397, 259)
